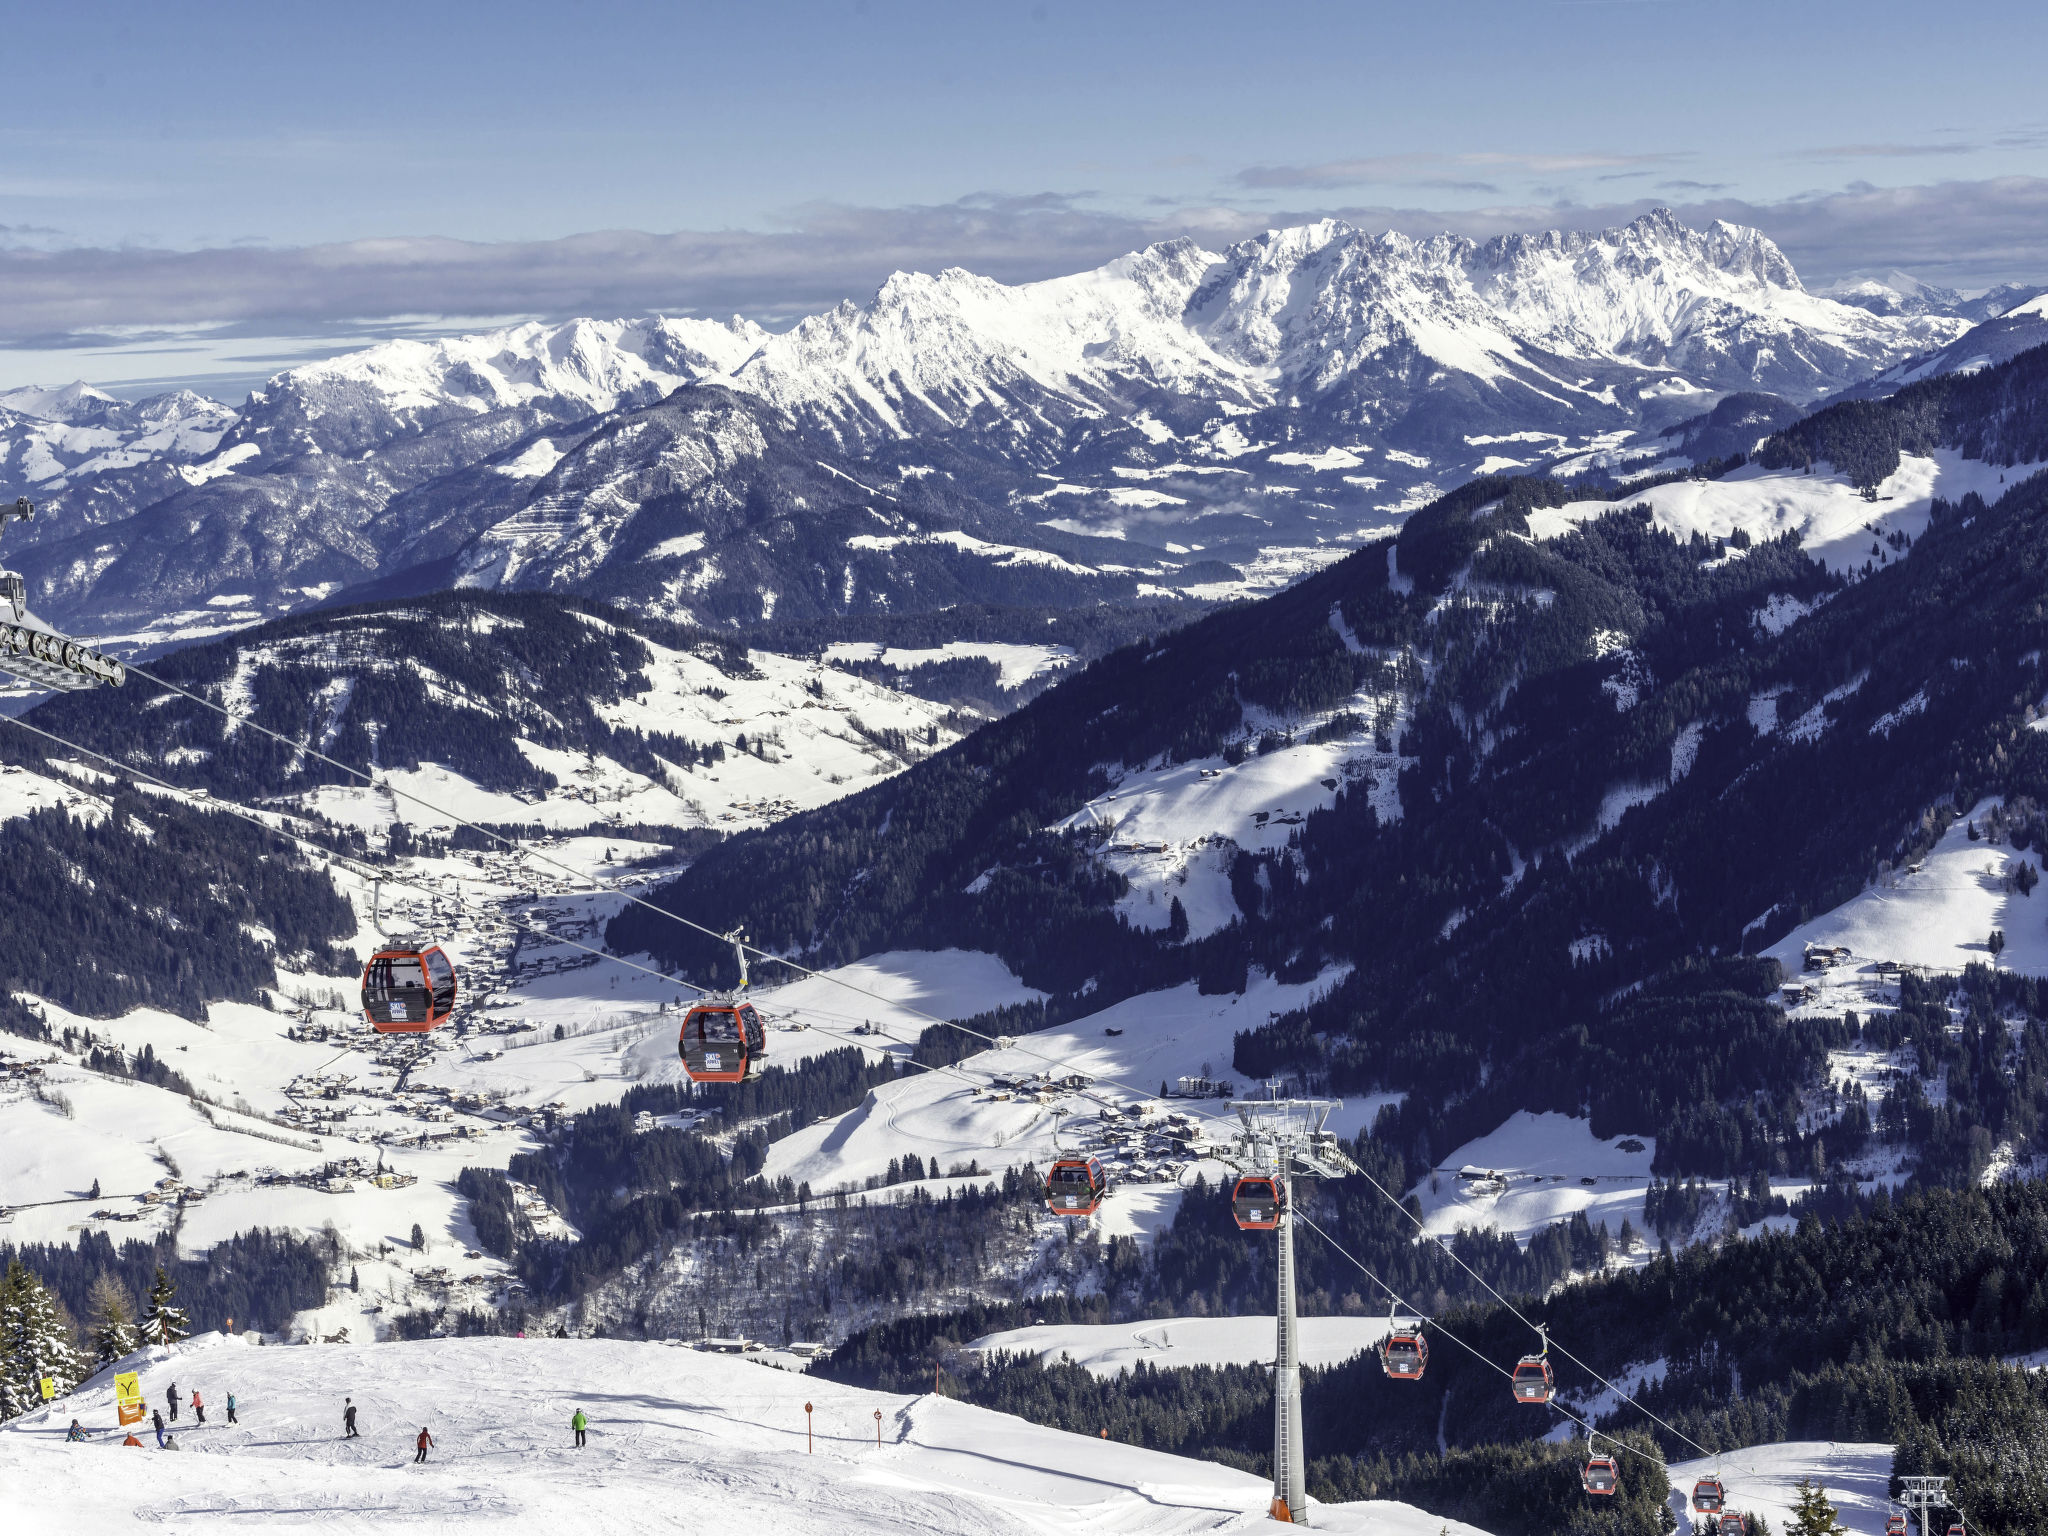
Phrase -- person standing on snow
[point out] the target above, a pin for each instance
(158, 1415)
(231, 1409)
(579, 1424)
(348, 1419)
(173, 1396)
(198, 1408)
(425, 1440)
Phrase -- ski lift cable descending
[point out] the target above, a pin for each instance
(520, 848)
(515, 846)
(1474, 1351)
(321, 851)
(1517, 1312)
(949, 1070)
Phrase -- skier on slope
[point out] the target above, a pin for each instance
(198, 1408)
(425, 1440)
(231, 1409)
(579, 1424)
(348, 1419)
(158, 1415)
(172, 1397)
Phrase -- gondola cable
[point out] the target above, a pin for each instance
(520, 848)
(305, 842)
(1003, 1043)
(1476, 1353)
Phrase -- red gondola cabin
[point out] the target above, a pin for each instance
(1257, 1203)
(1730, 1524)
(1895, 1525)
(1601, 1476)
(1405, 1354)
(408, 991)
(1075, 1186)
(722, 1042)
(1708, 1495)
(1533, 1381)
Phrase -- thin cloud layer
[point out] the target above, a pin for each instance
(1961, 233)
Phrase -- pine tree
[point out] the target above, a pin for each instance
(35, 1342)
(1812, 1514)
(419, 1238)
(113, 1320)
(163, 1323)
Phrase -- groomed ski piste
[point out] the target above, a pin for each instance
(678, 1440)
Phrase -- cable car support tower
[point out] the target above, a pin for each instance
(1924, 1495)
(1284, 1140)
(33, 652)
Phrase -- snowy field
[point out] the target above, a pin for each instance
(1107, 1348)
(1137, 1043)
(810, 730)
(1761, 1480)
(1834, 523)
(679, 1440)
(1173, 829)
(1538, 1170)
(1016, 664)
(1939, 915)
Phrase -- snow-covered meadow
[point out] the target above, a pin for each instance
(1834, 523)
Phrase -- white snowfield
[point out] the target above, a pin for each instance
(678, 1440)
(1173, 829)
(1939, 915)
(964, 1115)
(811, 732)
(1016, 664)
(1104, 1349)
(1763, 1479)
(1834, 523)
(1534, 1172)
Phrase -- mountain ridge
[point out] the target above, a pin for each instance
(1292, 393)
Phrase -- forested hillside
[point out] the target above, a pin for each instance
(1886, 1326)
(1996, 414)
(1585, 804)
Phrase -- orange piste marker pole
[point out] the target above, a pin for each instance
(810, 1448)
(878, 1429)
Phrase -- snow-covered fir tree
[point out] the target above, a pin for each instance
(1812, 1514)
(163, 1323)
(113, 1320)
(35, 1342)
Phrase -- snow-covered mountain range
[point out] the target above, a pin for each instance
(1285, 394)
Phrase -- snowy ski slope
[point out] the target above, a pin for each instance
(679, 1440)
(1761, 1480)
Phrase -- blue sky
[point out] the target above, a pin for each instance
(220, 189)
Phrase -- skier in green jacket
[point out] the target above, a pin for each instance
(579, 1424)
